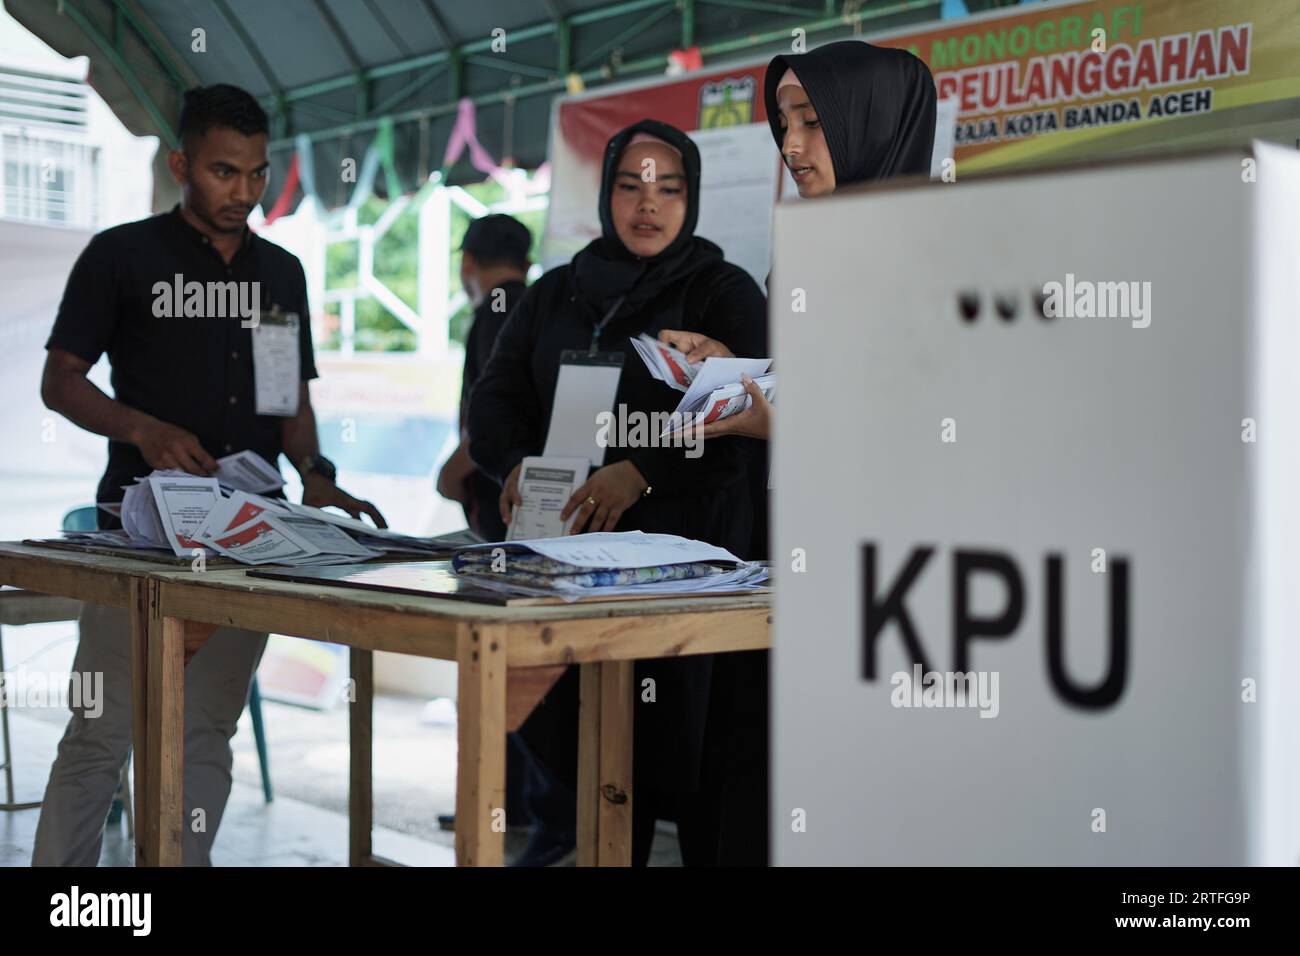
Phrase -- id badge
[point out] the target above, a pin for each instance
(585, 390)
(277, 374)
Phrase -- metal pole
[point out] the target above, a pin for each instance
(4, 731)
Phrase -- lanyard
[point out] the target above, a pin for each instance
(600, 326)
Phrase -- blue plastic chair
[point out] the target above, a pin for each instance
(86, 519)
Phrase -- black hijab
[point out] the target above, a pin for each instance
(876, 106)
(605, 271)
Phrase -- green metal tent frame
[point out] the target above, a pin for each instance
(598, 66)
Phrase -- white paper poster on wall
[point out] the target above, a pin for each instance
(738, 176)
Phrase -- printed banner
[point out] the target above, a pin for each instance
(1054, 77)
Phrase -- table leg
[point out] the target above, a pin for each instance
(139, 611)
(164, 752)
(481, 736)
(361, 807)
(605, 764)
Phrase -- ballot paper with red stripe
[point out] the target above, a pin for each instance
(713, 388)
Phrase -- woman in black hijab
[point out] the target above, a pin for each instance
(847, 112)
(648, 271)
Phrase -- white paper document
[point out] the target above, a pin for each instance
(262, 542)
(750, 576)
(716, 373)
(183, 504)
(545, 486)
(713, 389)
(139, 515)
(277, 374)
(582, 392)
(665, 362)
(325, 538)
(238, 509)
(178, 511)
(738, 181)
(626, 549)
(248, 471)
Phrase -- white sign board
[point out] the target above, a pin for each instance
(1094, 519)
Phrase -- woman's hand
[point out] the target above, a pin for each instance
(753, 422)
(695, 346)
(510, 495)
(603, 498)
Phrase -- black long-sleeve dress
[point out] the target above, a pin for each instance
(706, 498)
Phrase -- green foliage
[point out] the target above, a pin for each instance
(397, 266)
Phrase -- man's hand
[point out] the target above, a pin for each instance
(167, 446)
(453, 479)
(510, 495)
(319, 492)
(695, 346)
(753, 422)
(603, 498)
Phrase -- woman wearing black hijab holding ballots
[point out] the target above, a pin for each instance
(847, 112)
(647, 272)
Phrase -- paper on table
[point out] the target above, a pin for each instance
(324, 537)
(348, 523)
(248, 471)
(183, 506)
(140, 515)
(239, 508)
(261, 542)
(750, 576)
(545, 486)
(624, 549)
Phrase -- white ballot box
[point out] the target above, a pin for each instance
(1038, 594)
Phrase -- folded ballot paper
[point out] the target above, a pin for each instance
(608, 564)
(226, 515)
(713, 387)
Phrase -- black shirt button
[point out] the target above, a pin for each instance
(234, 355)
(232, 399)
(229, 447)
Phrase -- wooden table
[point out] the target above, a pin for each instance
(507, 657)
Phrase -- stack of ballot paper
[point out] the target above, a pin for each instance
(608, 564)
(189, 513)
(713, 389)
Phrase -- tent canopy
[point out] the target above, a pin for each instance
(332, 69)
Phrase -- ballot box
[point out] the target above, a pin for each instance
(1037, 518)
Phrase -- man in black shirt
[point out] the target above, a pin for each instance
(493, 266)
(181, 303)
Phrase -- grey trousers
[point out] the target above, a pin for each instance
(94, 748)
